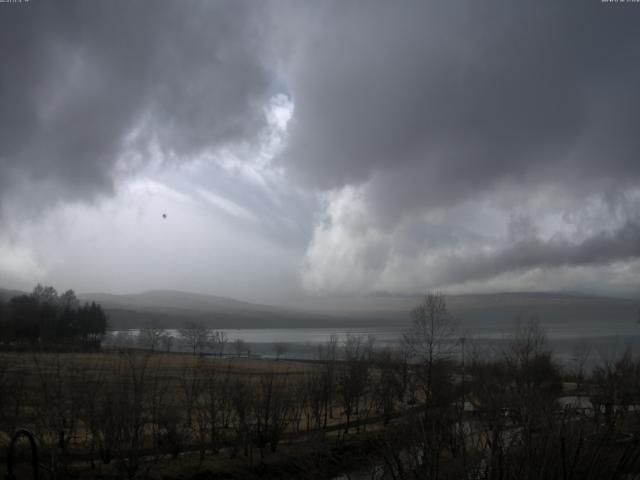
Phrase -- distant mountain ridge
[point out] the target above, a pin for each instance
(6, 294)
(171, 308)
(175, 299)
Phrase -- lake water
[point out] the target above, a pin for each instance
(605, 339)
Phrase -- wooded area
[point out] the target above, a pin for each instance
(49, 320)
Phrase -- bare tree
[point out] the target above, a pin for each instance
(616, 384)
(216, 405)
(327, 353)
(299, 401)
(280, 349)
(218, 340)
(270, 412)
(114, 401)
(195, 335)
(242, 402)
(150, 336)
(68, 301)
(12, 393)
(579, 357)
(387, 384)
(130, 403)
(430, 340)
(123, 339)
(45, 294)
(430, 337)
(58, 407)
(353, 377)
(167, 340)
(192, 403)
(370, 347)
(239, 346)
(532, 384)
(157, 405)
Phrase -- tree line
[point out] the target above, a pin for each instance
(45, 317)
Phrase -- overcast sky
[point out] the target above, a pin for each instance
(302, 149)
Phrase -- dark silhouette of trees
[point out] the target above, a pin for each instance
(44, 317)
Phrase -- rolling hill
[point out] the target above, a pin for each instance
(170, 309)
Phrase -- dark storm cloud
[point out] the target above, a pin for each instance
(78, 78)
(430, 107)
(469, 93)
(600, 249)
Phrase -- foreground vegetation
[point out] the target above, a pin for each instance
(436, 408)
(46, 319)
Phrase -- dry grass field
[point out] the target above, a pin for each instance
(131, 413)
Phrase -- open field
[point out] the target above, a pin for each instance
(123, 413)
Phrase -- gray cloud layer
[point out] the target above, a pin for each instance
(436, 104)
(426, 128)
(471, 92)
(600, 249)
(81, 80)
